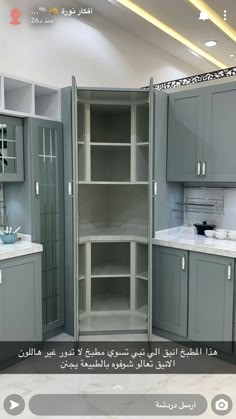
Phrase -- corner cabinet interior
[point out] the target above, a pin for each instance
(111, 174)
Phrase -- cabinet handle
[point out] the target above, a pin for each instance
(183, 263)
(155, 188)
(199, 168)
(229, 272)
(204, 168)
(0, 277)
(36, 188)
(70, 188)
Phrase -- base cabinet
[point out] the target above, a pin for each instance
(20, 299)
(171, 290)
(211, 286)
(193, 295)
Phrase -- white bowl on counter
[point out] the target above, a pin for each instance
(221, 234)
(209, 233)
(231, 235)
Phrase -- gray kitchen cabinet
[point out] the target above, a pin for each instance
(20, 299)
(211, 286)
(185, 135)
(170, 298)
(11, 149)
(40, 210)
(219, 139)
(201, 131)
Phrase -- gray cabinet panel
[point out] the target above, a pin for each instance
(210, 298)
(170, 277)
(167, 193)
(185, 135)
(219, 143)
(20, 299)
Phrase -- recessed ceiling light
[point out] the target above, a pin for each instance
(194, 53)
(231, 55)
(211, 43)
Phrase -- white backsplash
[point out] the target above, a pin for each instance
(226, 220)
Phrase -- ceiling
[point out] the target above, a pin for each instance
(181, 16)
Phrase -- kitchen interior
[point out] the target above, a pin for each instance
(126, 202)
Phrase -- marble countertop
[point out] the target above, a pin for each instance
(113, 232)
(186, 238)
(19, 248)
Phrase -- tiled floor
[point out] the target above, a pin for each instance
(29, 385)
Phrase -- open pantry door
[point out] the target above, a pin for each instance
(75, 208)
(150, 205)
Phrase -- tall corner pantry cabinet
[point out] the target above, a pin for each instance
(113, 187)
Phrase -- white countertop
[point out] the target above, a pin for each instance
(186, 238)
(19, 248)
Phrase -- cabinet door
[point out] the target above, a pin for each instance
(11, 149)
(185, 135)
(48, 215)
(170, 278)
(211, 286)
(220, 129)
(20, 298)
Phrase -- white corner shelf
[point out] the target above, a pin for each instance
(110, 145)
(17, 95)
(93, 182)
(109, 270)
(143, 276)
(47, 102)
(1, 93)
(24, 98)
(143, 144)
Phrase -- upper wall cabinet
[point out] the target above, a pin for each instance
(185, 135)
(23, 98)
(201, 144)
(11, 149)
(220, 129)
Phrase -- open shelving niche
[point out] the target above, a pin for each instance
(113, 140)
(20, 97)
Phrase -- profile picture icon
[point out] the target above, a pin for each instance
(15, 15)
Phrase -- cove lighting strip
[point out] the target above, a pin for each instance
(215, 18)
(169, 31)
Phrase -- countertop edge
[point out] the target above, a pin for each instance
(9, 253)
(195, 248)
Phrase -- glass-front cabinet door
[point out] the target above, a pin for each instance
(11, 149)
(48, 211)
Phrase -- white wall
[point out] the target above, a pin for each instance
(97, 52)
(226, 219)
